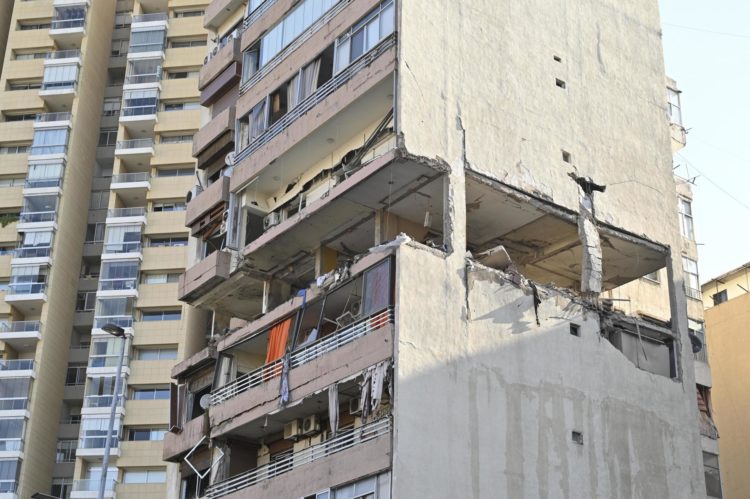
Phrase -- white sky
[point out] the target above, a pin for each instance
(707, 51)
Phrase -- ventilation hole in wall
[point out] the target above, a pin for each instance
(560, 83)
(566, 156)
(558, 58)
(577, 437)
(575, 329)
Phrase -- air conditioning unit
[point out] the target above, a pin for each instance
(197, 189)
(310, 425)
(293, 430)
(355, 406)
(271, 220)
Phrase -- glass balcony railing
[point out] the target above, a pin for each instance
(129, 247)
(147, 18)
(143, 78)
(106, 361)
(67, 23)
(121, 284)
(117, 320)
(126, 212)
(59, 85)
(37, 216)
(11, 444)
(36, 183)
(20, 327)
(64, 54)
(135, 143)
(7, 486)
(33, 252)
(124, 178)
(100, 401)
(26, 288)
(97, 442)
(13, 403)
(17, 365)
(47, 117)
(92, 484)
(138, 110)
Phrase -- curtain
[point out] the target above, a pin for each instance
(292, 93)
(309, 83)
(277, 340)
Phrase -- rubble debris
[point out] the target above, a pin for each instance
(591, 259)
(496, 258)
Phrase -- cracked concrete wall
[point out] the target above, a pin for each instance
(491, 64)
(486, 400)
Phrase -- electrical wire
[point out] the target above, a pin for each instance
(727, 193)
(707, 31)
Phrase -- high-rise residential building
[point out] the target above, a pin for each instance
(727, 301)
(409, 221)
(99, 101)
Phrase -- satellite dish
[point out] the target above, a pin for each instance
(205, 401)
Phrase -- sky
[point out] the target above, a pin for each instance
(707, 51)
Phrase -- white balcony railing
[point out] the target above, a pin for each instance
(92, 485)
(47, 117)
(125, 178)
(302, 355)
(101, 401)
(345, 440)
(146, 18)
(135, 143)
(137, 211)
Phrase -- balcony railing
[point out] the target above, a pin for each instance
(92, 484)
(67, 23)
(117, 320)
(11, 444)
(37, 216)
(7, 486)
(99, 401)
(142, 78)
(106, 361)
(138, 110)
(33, 252)
(36, 183)
(255, 15)
(135, 143)
(345, 440)
(302, 356)
(64, 54)
(125, 178)
(17, 365)
(97, 442)
(126, 212)
(13, 403)
(41, 150)
(146, 18)
(47, 117)
(25, 288)
(20, 327)
(130, 247)
(316, 98)
(59, 85)
(120, 284)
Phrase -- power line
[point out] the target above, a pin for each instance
(727, 193)
(711, 32)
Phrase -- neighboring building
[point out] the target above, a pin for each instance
(407, 214)
(99, 101)
(648, 297)
(727, 302)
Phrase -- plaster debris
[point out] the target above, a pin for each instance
(496, 258)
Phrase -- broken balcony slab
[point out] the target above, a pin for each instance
(542, 238)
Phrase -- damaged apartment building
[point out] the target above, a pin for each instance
(410, 220)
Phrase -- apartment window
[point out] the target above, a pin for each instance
(150, 393)
(95, 232)
(105, 352)
(160, 278)
(181, 106)
(252, 125)
(188, 13)
(123, 19)
(147, 41)
(27, 56)
(14, 393)
(76, 375)
(175, 172)
(15, 149)
(62, 487)
(119, 48)
(50, 141)
(24, 85)
(29, 279)
(160, 242)
(712, 475)
(86, 301)
(119, 275)
(367, 488)
(60, 76)
(140, 102)
(144, 476)
(674, 110)
(99, 200)
(11, 434)
(114, 310)
(146, 434)
(178, 44)
(157, 353)
(252, 5)
(692, 282)
(365, 35)
(111, 107)
(653, 277)
(176, 139)
(20, 117)
(180, 75)
(250, 62)
(169, 206)
(32, 26)
(107, 137)
(720, 297)
(12, 182)
(66, 451)
(143, 71)
(161, 315)
(94, 435)
(686, 219)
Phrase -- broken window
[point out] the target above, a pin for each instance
(712, 475)
(720, 297)
(648, 349)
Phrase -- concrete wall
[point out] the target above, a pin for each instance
(485, 407)
(729, 355)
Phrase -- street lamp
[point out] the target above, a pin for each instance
(117, 332)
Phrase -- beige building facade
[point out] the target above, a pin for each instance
(409, 219)
(99, 102)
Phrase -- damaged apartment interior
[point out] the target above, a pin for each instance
(308, 194)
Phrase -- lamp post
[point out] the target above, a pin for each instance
(117, 332)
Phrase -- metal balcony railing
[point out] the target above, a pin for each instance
(64, 54)
(37, 216)
(101, 401)
(67, 23)
(138, 110)
(33, 252)
(16, 364)
(35, 183)
(124, 178)
(47, 117)
(20, 327)
(316, 98)
(345, 440)
(145, 18)
(131, 247)
(126, 212)
(11, 444)
(13, 403)
(135, 143)
(92, 484)
(302, 355)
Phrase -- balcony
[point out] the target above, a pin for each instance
(123, 321)
(139, 79)
(132, 188)
(68, 32)
(17, 368)
(200, 209)
(230, 53)
(126, 215)
(312, 367)
(22, 336)
(118, 287)
(52, 120)
(215, 139)
(177, 444)
(89, 488)
(135, 151)
(27, 297)
(59, 94)
(38, 218)
(33, 252)
(351, 454)
(204, 276)
(122, 250)
(101, 405)
(64, 56)
(154, 19)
